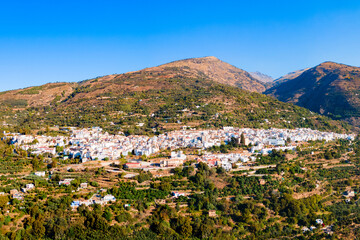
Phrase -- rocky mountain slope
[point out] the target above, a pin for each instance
(330, 88)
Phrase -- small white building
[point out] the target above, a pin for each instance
(305, 229)
(178, 155)
(40, 174)
(172, 162)
(108, 198)
(319, 221)
(349, 194)
(66, 182)
(30, 186)
(226, 165)
(177, 194)
(275, 142)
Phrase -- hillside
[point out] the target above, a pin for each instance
(192, 92)
(329, 88)
(36, 96)
(209, 68)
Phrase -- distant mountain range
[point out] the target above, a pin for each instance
(262, 77)
(195, 92)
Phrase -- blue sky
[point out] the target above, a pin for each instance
(49, 41)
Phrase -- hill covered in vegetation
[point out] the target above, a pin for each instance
(154, 100)
(330, 88)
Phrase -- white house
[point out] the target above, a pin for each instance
(30, 186)
(178, 155)
(226, 165)
(319, 221)
(40, 174)
(108, 198)
(66, 181)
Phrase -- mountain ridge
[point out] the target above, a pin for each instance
(288, 76)
(329, 88)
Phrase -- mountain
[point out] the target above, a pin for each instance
(210, 68)
(202, 92)
(329, 88)
(262, 77)
(213, 69)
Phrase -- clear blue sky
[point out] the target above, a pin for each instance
(48, 41)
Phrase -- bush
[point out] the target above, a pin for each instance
(94, 184)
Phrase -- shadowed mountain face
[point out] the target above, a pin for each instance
(203, 92)
(329, 88)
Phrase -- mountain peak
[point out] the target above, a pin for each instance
(334, 67)
(330, 64)
(213, 69)
(199, 60)
(210, 58)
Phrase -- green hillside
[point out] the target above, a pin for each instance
(168, 104)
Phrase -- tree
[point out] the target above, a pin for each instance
(56, 178)
(38, 228)
(107, 215)
(53, 163)
(242, 139)
(3, 201)
(182, 225)
(165, 186)
(220, 170)
(59, 149)
(143, 157)
(35, 164)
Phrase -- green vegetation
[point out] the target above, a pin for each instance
(128, 191)
(218, 204)
(31, 91)
(171, 103)
(16, 103)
